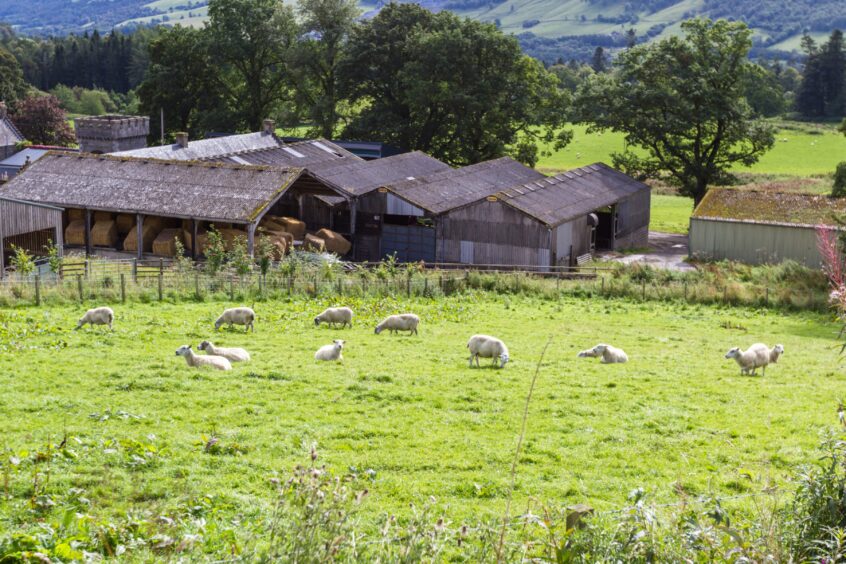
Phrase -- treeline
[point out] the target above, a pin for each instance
(823, 90)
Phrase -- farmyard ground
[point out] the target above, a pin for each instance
(408, 411)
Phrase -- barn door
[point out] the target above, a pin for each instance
(467, 252)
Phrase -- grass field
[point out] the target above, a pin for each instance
(670, 214)
(407, 411)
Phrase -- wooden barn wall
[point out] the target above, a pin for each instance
(753, 243)
(492, 233)
(17, 218)
(373, 202)
(315, 213)
(632, 216)
(573, 236)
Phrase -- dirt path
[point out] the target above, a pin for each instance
(666, 250)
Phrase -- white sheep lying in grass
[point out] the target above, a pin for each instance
(198, 361)
(231, 354)
(97, 316)
(330, 352)
(609, 354)
(402, 322)
(486, 346)
(334, 315)
(237, 316)
(757, 356)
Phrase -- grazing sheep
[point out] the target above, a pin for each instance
(609, 354)
(333, 315)
(97, 316)
(487, 347)
(237, 316)
(197, 361)
(402, 322)
(756, 356)
(231, 354)
(330, 352)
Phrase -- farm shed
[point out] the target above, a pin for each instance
(759, 227)
(368, 150)
(9, 134)
(29, 226)
(121, 204)
(502, 212)
(306, 154)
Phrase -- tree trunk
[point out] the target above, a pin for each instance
(699, 192)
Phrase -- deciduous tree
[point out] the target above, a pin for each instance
(12, 85)
(42, 121)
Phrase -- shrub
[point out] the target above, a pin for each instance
(215, 251)
(22, 261)
(838, 190)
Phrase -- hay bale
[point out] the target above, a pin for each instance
(294, 226)
(154, 221)
(229, 237)
(277, 234)
(165, 243)
(278, 240)
(75, 232)
(125, 222)
(103, 216)
(104, 233)
(75, 214)
(149, 231)
(314, 244)
(335, 243)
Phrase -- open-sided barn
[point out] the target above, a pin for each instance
(28, 226)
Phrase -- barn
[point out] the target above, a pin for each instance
(760, 227)
(29, 226)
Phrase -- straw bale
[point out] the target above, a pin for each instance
(125, 222)
(335, 243)
(149, 231)
(104, 233)
(75, 214)
(314, 244)
(294, 226)
(102, 216)
(75, 232)
(165, 243)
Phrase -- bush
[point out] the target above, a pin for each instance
(838, 190)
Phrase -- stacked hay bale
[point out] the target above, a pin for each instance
(294, 226)
(75, 232)
(165, 243)
(279, 240)
(334, 242)
(150, 229)
(104, 233)
(314, 244)
(228, 235)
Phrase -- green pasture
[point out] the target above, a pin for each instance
(670, 214)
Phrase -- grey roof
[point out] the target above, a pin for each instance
(9, 134)
(19, 158)
(312, 154)
(357, 178)
(204, 149)
(454, 188)
(556, 199)
(330, 201)
(215, 192)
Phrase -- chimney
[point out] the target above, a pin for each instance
(3, 110)
(182, 139)
(269, 126)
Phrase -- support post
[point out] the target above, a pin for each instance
(122, 287)
(139, 230)
(251, 239)
(2, 262)
(161, 286)
(87, 233)
(194, 239)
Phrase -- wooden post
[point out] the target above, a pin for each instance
(79, 286)
(340, 286)
(135, 270)
(161, 286)
(603, 285)
(767, 297)
(197, 284)
(685, 290)
(139, 231)
(38, 289)
(251, 239)
(161, 266)
(643, 290)
(87, 233)
(85, 266)
(231, 288)
(194, 239)
(425, 285)
(725, 293)
(122, 287)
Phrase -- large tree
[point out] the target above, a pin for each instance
(12, 85)
(42, 121)
(457, 89)
(250, 41)
(680, 104)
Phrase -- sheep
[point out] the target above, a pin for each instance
(330, 352)
(237, 316)
(231, 354)
(333, 315)
(756, 356)
(97, 316)
(487, 347)
(197, 361)
(402, 322)
(609, 354)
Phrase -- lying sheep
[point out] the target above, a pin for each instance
(402, 322)
(330, 352)
(334, 315)
(97, 316)
(237, 316)
(197, 361)
(231, 354)
(757, 356)
(487, 347)
(609, 354)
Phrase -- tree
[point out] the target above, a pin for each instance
(12, 85)
(316, 59)
(42, 121)
(457, 89)
(681, 101)
(823, 88)
(599, 61)
(764, 93)
(250, 41)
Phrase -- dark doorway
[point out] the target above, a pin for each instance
(606, 228)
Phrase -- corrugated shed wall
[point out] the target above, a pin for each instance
(573, 235)
(753, 243)
(632, 218)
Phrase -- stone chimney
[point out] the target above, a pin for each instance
(3, 111)
(269, 127)
(182, 139)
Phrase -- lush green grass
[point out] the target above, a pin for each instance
(678, 417)
(670, 214)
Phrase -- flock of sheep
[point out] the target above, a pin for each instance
(757, 356)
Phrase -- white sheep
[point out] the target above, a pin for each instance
(198, 361)
(402, 322)
(756, 356)
(231, 354)
(237, 316)
(609, 354)
(330, 352)
(334, 315)
(487, 347)
(97, 316)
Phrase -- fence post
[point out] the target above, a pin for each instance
(122, 287)
(441, 282)
(725, 293)
(135, 270)
(79, 286)
(86, 269)
(161, 266)
(408, 286)
(161, 283)
(231, 288)
(340, 286)
(643, 290)
(425, 285)
(685, 290)
(767, 297)
(603, 285)
(197, 284)
(38, 289)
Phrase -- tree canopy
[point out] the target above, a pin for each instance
(42, 121)
(680, 102)
(12, 85)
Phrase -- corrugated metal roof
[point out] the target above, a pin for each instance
(203, 149)
(361, 177)
(218, 192)
(9, 134)
(768, 206)
(556, 199)
(454, 188)
(312, 154)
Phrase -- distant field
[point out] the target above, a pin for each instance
(670, 214)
